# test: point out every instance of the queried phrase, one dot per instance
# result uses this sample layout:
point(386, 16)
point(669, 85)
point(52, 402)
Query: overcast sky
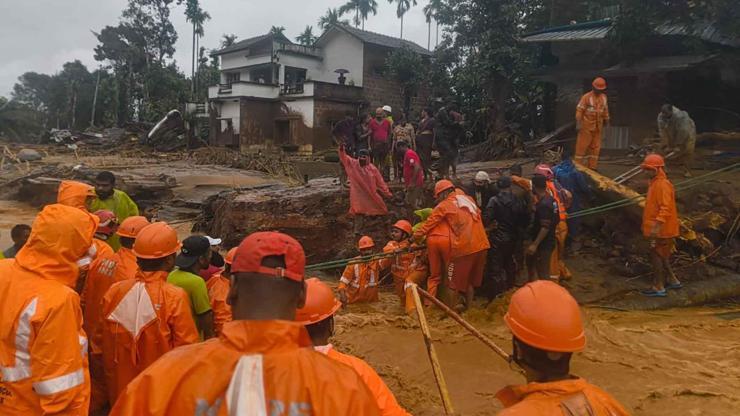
point(41, 35)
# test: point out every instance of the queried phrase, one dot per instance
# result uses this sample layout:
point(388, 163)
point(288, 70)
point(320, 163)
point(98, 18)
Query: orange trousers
point(407, 298)
point(558, 269)
point(468, 270)
point(588, 147)
point(440, 251)
point(98, 388)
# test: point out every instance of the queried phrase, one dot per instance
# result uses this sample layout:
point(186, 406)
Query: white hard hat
point(482, 176)
point(387, 108)
point(213, 241)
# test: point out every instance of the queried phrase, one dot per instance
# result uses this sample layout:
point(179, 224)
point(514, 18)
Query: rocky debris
point(168, 134)
point(28, 155)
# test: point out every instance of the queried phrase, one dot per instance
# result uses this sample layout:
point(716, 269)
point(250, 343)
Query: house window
point(232, 77)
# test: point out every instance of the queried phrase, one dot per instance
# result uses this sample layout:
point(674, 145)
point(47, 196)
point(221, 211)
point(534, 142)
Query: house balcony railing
point(244, 89)
point(292, 89)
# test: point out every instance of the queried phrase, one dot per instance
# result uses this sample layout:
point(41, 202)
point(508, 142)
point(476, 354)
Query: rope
point(335, 264)
point(683, 186)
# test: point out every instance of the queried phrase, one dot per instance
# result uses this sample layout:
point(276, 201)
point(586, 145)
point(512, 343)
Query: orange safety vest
point(555, 194)
point(254, 368)
point(567, 397)
point(360, 280)
point(43, 348)
point(592, 111)
point(145, 317)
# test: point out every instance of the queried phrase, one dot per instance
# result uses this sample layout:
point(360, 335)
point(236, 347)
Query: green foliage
point(306, 38)
point(361, 9)
point(18, 120)
point(330, 19)
point(228, 40)
point(278, 30)
point(407, 68)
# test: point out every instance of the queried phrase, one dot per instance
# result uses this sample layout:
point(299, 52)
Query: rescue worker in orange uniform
point(218, 292)
point(468, 240)
point(359, 281)
point(592, 113)
point(260, 364)
point(660, 225)
point(75, 194)
point(43, 348)
point(439, 245)
point(98, 280)
point(546, 327)
point(400, 264)
point(318, 317)
point(125, 260)
point(558, 269)
point(145, 317)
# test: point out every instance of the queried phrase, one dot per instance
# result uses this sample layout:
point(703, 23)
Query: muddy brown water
point(678, 361)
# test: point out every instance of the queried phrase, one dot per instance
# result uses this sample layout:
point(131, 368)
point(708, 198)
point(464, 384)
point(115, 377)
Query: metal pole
point(95, 98)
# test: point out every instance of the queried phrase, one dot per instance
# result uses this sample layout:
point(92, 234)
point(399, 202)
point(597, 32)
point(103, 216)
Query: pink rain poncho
point(365, 186)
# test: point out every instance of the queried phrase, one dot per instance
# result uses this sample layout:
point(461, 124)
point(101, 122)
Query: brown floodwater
point(678, 361)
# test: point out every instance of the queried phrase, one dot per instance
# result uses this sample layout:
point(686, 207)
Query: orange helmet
point(653, 161)
point(131, 226)
point(155, 241)
point(108, 222)
point(544, 315)
point(599, 83)
point(365, 242)
point(404, 226)
point(320, 303)
point(230, 255)
point(442, 186)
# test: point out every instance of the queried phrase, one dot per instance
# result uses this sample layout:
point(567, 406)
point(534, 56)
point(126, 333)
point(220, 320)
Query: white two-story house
point(273, 92)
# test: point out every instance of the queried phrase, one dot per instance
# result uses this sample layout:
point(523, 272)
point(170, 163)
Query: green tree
point(17, 120)
point(277, 30)
point(306, 38)
point(361, 9)
point(406, 67)
point(430, 12)
point(228, 40)
point(197, 16)
point(330, 19)
point(402, 7)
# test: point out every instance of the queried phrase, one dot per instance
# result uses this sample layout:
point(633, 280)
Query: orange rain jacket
point(360, 280)
point(262, 366)
point(43, 348)
point(144, 318)
point(463, 216)
point(218, 292)
point(592, 111)
point(548, 399)
point(660, 207)
point(400, 264)
point(383, 395)
point(126, 266)
point(74, 194)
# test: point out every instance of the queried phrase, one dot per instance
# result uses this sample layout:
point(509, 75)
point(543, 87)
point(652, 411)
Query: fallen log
point(606, 189)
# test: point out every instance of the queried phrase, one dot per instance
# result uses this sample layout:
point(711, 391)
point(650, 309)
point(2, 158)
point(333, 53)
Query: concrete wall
point(230, 109)
point(303, 107)
point(342, 51)
point(312, 65)
point(257, 123)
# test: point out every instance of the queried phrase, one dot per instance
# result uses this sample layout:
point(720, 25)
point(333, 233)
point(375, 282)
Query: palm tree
point(431, 11)
point(197, 16)
point(227, 40)
point(306, 38)
point(402, 7)
point(361, 8)
point(277, 30)
point(330, 19)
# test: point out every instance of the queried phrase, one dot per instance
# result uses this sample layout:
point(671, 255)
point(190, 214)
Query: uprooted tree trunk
point(607, 190)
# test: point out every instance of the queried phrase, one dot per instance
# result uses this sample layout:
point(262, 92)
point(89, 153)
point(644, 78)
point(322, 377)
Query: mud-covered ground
point(677, 361)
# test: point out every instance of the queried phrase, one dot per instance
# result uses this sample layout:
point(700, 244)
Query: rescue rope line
point(335, 264)
point(682, 186)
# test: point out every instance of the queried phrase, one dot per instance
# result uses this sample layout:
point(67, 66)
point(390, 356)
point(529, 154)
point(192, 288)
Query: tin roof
point(599, 29)
point(378, 39)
